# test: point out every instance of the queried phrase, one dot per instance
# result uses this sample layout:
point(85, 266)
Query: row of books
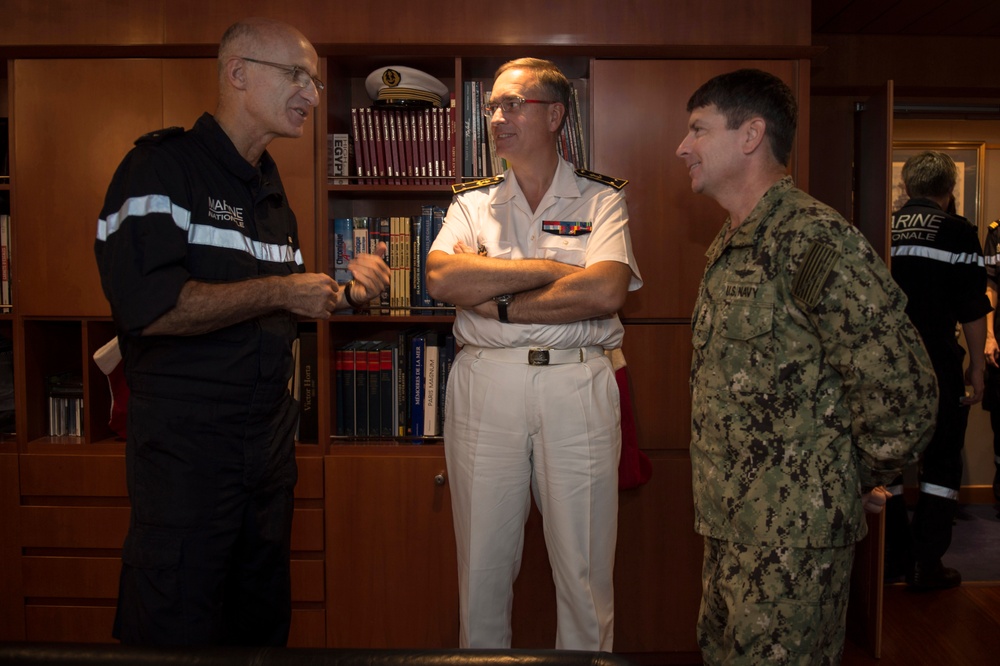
point(65, 417)
point(65, 392)
point(399, 146)
point(5, 275)
point(408, 239)
point(479, 158)
point(393, 388)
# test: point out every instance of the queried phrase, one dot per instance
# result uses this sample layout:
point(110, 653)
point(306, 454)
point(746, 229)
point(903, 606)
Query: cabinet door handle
point(439, 479)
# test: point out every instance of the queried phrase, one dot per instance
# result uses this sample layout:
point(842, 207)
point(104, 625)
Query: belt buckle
point(538, 356)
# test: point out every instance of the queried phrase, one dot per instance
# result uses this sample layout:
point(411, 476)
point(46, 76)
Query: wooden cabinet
point(72, 514)
point(390, 566)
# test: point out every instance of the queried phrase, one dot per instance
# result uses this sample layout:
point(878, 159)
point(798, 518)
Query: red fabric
point(634, 467)
point(109, 359)
point(119, 399)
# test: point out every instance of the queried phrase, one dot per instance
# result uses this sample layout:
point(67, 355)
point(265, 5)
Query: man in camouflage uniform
point(809, 387)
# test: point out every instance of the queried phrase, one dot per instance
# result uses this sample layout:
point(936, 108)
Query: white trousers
point(512, 429)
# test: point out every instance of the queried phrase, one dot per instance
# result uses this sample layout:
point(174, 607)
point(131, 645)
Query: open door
point(872, 215)
point(873, 169)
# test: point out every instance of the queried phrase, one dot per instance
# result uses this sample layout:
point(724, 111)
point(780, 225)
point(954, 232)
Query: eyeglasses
point(511, 105)
point(300, 77)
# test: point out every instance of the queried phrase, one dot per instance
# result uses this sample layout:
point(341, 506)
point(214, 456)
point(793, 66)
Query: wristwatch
point(502, 301)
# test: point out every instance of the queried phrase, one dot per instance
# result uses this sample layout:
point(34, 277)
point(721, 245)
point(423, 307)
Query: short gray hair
point(930, 174)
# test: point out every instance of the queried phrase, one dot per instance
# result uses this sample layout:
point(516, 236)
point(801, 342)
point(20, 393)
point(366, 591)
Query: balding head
point(258, 38)
point(267, 83)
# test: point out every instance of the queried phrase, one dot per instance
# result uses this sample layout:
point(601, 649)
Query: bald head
point(257, 38)
point(268, 84)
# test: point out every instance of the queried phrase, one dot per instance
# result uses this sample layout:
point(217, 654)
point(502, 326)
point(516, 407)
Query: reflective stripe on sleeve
point(937, 255)
point(198, 234)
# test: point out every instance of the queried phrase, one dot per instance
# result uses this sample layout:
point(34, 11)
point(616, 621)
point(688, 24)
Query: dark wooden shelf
point(379, 191)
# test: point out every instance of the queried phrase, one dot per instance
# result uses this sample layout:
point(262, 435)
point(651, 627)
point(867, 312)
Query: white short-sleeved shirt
point(499, 219)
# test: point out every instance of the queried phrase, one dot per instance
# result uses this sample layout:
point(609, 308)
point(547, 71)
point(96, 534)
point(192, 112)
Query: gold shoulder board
point(994, 224)
point(458, 188)
point(617, 183)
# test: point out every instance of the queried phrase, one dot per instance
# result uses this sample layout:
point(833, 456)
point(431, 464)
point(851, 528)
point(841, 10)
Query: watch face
point(502, 301)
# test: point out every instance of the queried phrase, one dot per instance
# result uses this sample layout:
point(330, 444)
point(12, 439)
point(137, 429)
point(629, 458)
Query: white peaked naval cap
point(404, 86)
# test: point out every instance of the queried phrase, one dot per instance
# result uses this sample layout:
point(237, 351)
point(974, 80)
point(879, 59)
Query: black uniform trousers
point(929, 533)
point(206, 558)
point(991, 403)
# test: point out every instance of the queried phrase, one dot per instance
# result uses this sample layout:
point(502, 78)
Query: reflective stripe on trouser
point(513, 429)
point(773, 605)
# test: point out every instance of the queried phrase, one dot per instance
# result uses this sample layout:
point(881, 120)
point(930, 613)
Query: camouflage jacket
point(807, 379)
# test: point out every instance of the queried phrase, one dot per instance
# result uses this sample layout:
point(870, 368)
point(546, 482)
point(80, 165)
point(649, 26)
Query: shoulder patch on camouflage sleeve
point(458, 188)
point(815, 268)
point(159, 135)
point(617, 183)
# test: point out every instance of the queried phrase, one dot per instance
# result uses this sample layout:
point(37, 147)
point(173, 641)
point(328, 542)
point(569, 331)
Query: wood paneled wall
point(690, 23)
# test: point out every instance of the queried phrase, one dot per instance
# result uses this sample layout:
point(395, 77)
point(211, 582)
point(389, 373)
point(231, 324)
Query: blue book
point(373, 352)
point(346, 393)
point(386, 390)
point(426, 236)
point(437, 221)
point(416, 386)
point(467, 120)
point(416, 260)
point(402, 373)
point(361, 388)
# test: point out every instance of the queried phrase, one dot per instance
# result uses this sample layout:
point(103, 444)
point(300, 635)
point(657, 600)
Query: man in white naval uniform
point(538, 261)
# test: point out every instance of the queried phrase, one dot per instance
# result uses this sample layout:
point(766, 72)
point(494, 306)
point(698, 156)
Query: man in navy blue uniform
point(991, 399)
point(938, 261)
point(199, 258)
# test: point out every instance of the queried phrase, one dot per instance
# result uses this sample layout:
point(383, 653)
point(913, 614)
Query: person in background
point(938, 261)
point(991, 392)
point(809, 387)
point(198, 253)
point(538, 261)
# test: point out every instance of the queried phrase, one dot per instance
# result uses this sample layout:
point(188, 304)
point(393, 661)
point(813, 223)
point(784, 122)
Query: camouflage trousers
point(768, 605)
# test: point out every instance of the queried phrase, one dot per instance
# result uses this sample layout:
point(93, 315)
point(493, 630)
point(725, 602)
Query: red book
point(413, 150)
point(434, 168)
point(370, 143)
point(378, 147)
point(389, 118)
point(421, 145)
point(358, 160)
